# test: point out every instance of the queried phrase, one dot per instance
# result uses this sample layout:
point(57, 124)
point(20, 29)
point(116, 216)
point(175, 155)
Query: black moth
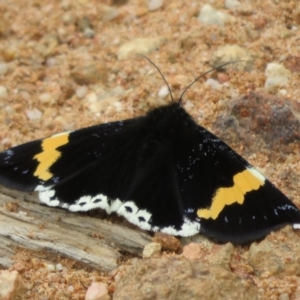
point(162, 172)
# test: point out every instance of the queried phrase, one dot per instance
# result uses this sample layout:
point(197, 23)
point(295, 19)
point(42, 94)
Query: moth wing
point(232, 200)
point(116, 166)
point(48, 162)
point(135, 177)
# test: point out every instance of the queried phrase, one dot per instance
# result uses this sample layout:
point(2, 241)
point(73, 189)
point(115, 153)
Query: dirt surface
point(65, 65)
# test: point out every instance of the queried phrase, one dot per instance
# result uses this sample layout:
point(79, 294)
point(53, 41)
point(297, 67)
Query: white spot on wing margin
point(188, 227)
point(258, 175)
point(135, 214)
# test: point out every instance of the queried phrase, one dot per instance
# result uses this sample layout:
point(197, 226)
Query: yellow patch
point(244, 182)
point(49, 155)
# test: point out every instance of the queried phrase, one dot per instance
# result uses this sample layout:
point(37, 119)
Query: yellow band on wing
point(243, 182)
point(49, 155)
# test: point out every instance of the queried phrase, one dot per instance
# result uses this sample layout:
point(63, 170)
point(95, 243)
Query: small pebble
point(9, 110)
point(97, 291)
point(92, 97)
point(210, 16)
point(232, 4)
point(81, 92)
point(163, 92)
point(68, 18)
point(192, 251)
point(283, 92)
point(11, 285)
point(3, 68)
point(46, 98)
point(3, 92)
point(284, 296)
point(152, 249)
point(155, 4)
point(276, 74)
point(34, 114)
point(108, 13)
point(49, 267)
point(213, 83)
point(51, 62)
point(70, 288)
point(89, 33)
point(59, 267)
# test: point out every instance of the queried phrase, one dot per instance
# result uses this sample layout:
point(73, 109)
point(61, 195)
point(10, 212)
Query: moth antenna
point(161, 74)
point(197, 78)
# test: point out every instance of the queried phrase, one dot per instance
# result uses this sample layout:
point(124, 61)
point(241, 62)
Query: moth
point(161, 171)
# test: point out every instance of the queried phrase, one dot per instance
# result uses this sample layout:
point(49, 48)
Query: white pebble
point(70, 288)
point(51, 62)
point(9, 110)
point(46, 98)
point(34, 114)
point(3, 68)
point(3, 92)
point(188, 104)
point(92, 97)
point(163, 92)
point(276, 74)
point(213, 83)
point(155, 4)
point(232, 4)
point(210, 16)
point(81, 92)
point(118, 106)
point(49, 267)
point(59, 267)
point(282, 92)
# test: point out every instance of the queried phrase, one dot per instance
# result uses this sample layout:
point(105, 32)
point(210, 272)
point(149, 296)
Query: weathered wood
point(37, 227)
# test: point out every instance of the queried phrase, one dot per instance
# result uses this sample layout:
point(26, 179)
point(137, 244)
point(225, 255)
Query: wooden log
point(96, 243)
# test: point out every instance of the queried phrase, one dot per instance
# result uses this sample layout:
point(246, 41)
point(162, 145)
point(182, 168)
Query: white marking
point(61, 133)
point(255, 173)
point(65, 205)
point(41, 188)
point(115, 205)
point(9, 152)
point(188, 228)
point(136, 216)
point(296, 226)
point(90, 204)
point(45, 198)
